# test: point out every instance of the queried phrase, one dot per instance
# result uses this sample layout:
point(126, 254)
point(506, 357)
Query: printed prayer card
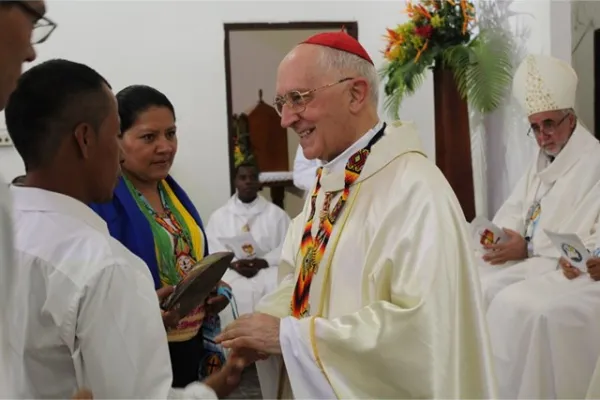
point(570, 247)
point(243, 246)
point(486, 232)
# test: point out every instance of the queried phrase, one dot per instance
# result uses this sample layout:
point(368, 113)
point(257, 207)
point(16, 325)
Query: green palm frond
point(482, 70)
point(404, 80)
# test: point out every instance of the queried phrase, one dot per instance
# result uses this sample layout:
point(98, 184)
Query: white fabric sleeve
point(306, 378)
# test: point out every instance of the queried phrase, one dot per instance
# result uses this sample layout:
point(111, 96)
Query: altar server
point(254, 229)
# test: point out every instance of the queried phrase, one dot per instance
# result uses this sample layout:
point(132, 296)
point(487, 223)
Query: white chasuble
point(395, 308)
point(560, 188)
point(544, 330)
point(267, 225)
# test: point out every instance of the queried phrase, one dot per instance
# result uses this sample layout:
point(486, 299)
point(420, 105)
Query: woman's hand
point(217, 302)
point(170, 318)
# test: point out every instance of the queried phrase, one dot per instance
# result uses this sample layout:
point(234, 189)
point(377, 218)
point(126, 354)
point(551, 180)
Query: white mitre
point(544, 83)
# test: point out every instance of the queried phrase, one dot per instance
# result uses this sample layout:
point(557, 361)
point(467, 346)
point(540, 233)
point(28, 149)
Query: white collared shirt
point(84, 311)
point(339, 163)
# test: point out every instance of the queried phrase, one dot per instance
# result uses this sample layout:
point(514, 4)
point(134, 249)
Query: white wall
point(585, 19)
point(257, 54)
point(177, 46)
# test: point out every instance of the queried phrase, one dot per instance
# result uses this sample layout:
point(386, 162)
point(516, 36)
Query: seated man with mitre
point(254, 229)
point(552, 193)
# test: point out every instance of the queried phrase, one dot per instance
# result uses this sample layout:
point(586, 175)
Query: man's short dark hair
point(245, 164)
point(50, 101)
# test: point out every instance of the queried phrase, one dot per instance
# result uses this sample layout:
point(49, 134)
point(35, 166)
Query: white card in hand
point(243, 246)
point(570, 247)
point(486, 232)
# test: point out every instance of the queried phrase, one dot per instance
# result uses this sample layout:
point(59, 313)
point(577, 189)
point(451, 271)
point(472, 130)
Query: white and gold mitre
point(544, 83)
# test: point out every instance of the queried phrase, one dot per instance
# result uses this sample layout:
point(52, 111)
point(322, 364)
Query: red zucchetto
point(339, 41)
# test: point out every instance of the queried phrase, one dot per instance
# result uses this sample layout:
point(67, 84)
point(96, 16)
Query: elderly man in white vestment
point(83, 312)
point(378, 295)
point(254, 229)
point(544, 329)
point(17, 36)
point(552, 191)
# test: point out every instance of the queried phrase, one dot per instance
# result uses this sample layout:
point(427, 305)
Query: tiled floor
point(249, 387)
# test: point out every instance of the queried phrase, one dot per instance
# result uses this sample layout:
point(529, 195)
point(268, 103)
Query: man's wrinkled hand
point(513, 249)
point(593, 267)
point(258, 332)
point(569, 271)
point(170, 318)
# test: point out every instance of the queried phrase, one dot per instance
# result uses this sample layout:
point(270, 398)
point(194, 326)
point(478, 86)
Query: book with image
point(195, 288)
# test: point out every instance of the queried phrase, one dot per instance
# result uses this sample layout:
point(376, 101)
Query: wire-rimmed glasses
point(297, 100)
point(547, 127)
point(43, 27)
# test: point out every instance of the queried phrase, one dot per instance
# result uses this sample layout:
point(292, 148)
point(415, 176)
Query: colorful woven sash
point(313, 248)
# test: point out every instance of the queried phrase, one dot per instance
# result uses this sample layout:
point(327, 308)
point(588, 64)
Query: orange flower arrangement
point(438, 31)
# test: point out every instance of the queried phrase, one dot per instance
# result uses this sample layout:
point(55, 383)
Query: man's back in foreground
point(83, 313)
point(72, 279)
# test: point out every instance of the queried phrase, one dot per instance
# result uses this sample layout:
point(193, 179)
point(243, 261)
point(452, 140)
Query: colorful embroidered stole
point(313, 248)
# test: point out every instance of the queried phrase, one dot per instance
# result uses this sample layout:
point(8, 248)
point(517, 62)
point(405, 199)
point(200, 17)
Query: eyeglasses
point(297, 100)
point(43, 27)
point(548, 127)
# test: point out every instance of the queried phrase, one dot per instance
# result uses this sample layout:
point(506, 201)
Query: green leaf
point(482, 70)
point(402, 80)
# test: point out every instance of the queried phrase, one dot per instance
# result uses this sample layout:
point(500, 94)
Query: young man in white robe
point(379, 298)
point(83, 311)
point(254, 229)
point(552, 191)
point(544, 330)
point(19, 32)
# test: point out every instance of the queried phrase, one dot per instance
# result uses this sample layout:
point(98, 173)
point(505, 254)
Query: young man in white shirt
point(84, 311)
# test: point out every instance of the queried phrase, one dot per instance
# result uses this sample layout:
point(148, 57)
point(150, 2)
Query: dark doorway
point(351, 28)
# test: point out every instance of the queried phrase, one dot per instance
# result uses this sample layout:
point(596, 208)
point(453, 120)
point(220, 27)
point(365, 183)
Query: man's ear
point(359, 92)
point(84, 136)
